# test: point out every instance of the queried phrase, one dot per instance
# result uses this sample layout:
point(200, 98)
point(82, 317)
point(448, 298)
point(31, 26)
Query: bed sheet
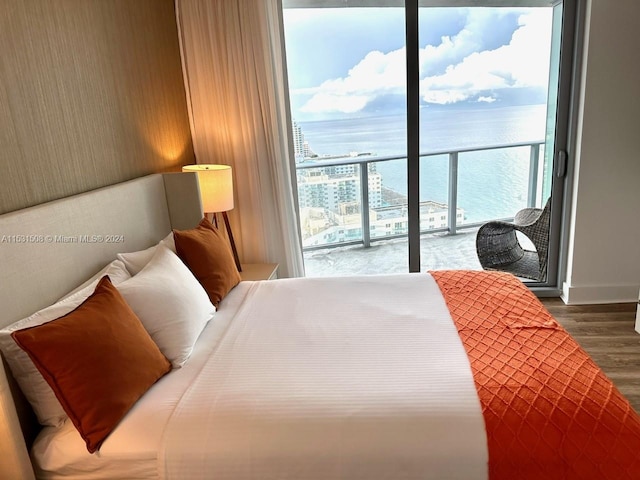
point(131, 451)
point(384, 402)
point(341, 378)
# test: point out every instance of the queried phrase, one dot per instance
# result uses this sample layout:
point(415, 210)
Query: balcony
point(342, 238)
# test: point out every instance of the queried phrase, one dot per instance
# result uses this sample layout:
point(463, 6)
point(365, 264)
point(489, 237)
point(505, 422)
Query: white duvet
point(342, 378)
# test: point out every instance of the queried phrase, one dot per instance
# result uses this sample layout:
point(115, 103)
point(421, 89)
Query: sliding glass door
point(348, 97)
point(416, 123)
point(488, 107)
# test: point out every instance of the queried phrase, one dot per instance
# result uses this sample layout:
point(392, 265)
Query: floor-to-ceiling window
point(348, 96)
point(472, 125)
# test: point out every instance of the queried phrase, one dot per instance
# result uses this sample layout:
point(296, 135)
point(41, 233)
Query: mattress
point(442, 375)
point(347, 373)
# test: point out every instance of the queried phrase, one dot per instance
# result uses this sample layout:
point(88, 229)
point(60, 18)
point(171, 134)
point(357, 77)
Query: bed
point(450, 374)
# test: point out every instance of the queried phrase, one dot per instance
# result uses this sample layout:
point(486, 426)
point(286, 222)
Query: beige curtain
point(235, 77)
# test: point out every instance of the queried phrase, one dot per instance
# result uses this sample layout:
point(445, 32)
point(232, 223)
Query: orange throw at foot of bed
point(549, 411)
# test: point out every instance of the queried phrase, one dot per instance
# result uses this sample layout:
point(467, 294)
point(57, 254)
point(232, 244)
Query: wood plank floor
point(607, 333)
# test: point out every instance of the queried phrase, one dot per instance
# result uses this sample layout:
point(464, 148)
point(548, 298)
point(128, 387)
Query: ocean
point(491, 184)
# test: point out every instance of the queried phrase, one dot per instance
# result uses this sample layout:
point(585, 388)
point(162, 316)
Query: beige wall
point(91, 93)
point(604, 253)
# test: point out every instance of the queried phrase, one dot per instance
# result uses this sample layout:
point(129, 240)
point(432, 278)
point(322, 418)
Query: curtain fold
point(235, 78)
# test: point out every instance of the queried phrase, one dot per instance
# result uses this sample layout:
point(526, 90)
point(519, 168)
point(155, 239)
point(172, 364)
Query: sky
point(350, 62)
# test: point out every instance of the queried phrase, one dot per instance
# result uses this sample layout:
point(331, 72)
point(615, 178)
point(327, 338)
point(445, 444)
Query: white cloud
point(470, 74)
point(464, 43)
point(524, 62)
point(376, 74)
point(335, 102)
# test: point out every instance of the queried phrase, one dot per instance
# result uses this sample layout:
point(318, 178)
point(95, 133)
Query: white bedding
point(131, 451)
point(342, 378)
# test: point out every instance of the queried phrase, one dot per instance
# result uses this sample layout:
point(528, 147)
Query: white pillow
point(37, 391)
point(171, 304)
point(116, 270)
point(136, 261)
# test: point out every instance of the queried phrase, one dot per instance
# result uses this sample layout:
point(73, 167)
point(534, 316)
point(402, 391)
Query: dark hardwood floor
point(607, 333)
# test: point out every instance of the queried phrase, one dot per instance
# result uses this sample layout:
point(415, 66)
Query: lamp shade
point(216, 186)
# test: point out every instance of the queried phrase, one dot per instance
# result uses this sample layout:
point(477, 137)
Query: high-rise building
point(299, 143)
point(326, 189)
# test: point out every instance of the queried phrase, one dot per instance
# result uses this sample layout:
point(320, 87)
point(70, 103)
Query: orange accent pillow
point(209, 257)
point(98, 359)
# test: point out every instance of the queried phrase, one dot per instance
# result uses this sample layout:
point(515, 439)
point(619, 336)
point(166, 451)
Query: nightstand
point(259, 271)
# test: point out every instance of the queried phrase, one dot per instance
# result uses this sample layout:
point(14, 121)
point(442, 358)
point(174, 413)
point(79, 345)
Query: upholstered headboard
point(49, 249)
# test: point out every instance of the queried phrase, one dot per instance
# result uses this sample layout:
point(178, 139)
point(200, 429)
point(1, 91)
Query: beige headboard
point(49, 249)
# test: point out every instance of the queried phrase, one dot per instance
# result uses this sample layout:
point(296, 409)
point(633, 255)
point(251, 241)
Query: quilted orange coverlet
point(549, 411)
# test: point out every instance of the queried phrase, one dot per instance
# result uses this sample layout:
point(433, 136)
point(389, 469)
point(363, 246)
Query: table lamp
point(216, 191)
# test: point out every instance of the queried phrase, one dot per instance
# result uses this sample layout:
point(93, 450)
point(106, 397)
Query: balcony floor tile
point(437, 252)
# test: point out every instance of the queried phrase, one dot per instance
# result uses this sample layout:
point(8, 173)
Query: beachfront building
point(332, 187)
point(321, 226)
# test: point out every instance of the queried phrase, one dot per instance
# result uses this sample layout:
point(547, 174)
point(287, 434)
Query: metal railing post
point(534, 160)
point(453, 192)
point(364, 202)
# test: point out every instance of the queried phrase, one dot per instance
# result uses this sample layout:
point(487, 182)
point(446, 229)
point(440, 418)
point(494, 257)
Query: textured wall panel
point(91, 93)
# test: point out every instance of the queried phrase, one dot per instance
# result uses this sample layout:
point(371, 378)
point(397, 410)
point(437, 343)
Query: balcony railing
point(452, 206)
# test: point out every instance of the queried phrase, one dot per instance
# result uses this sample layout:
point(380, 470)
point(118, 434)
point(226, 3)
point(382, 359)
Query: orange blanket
point(549, 411)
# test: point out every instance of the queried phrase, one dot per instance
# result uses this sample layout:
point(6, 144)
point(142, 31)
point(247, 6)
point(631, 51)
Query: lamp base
point(233, 244)
point(225, 217)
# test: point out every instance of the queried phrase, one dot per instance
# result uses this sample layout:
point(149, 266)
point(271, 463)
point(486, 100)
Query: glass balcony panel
point(493, 184)
point(388, 199)
point(434, 191)
point(330, 205)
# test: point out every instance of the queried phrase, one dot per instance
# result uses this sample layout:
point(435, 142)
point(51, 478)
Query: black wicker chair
point(499, 249)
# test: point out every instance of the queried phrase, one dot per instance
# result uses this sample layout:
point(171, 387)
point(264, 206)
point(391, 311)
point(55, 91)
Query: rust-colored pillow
point(98, 359)
point(208, 255)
